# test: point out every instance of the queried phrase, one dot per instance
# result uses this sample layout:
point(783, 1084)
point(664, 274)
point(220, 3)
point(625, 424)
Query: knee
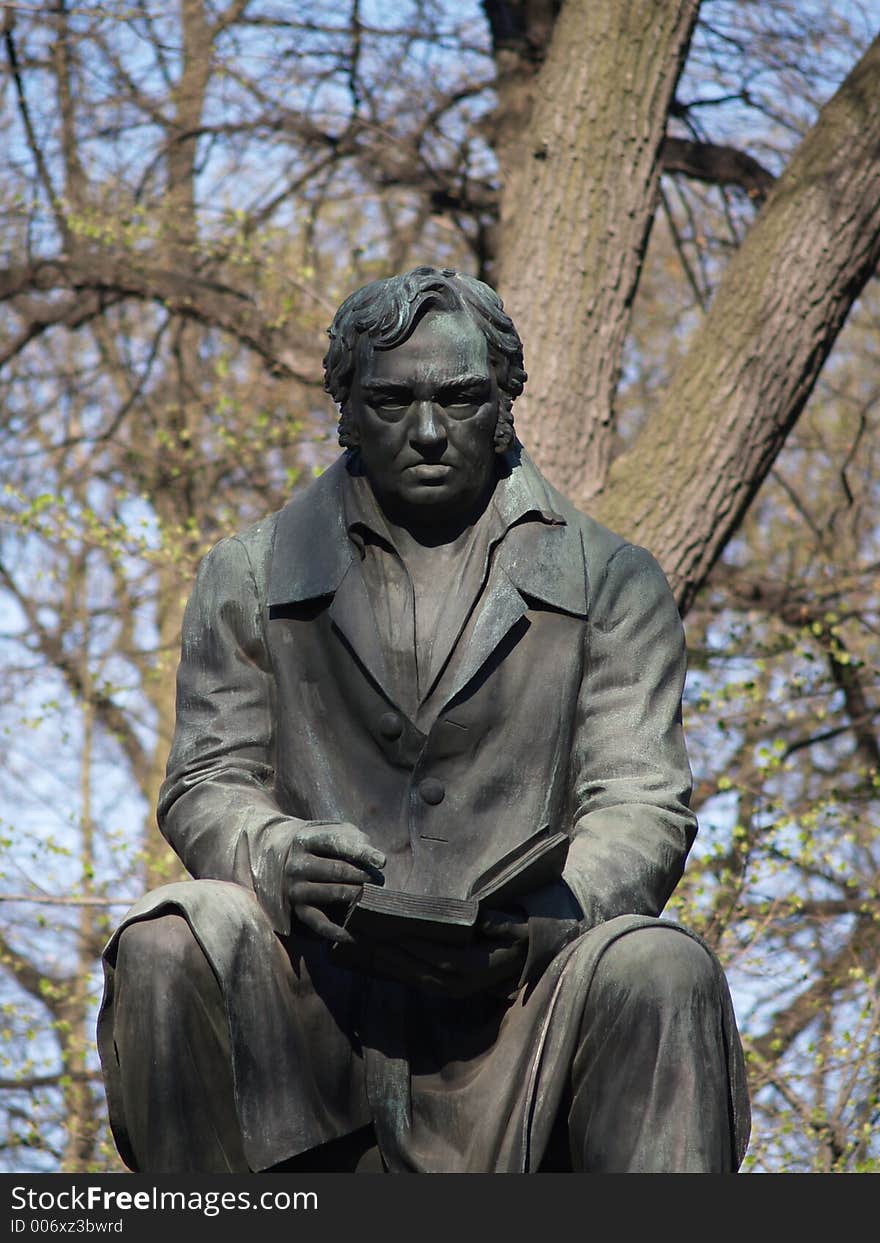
point(163, 947)
point(659, 966)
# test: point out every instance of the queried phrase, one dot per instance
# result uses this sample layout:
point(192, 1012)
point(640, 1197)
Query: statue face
point(423, 415)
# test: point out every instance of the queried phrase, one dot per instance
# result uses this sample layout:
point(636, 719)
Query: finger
point(505, 932)
point(501, 924)
point(506, 961)
point(322, 926)
point(485, 972)
point(343, 842)
point(448, 959)
point(327, 871)
point(391, 960)
point(313, 893)
point(481, 968)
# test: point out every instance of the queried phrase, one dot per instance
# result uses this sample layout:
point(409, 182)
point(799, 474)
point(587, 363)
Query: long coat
point(560, 705)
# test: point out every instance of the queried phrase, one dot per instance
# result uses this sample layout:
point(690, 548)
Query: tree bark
point(703, 453)
point(576, 211)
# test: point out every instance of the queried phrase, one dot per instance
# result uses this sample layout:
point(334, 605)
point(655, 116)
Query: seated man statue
point(425, 659)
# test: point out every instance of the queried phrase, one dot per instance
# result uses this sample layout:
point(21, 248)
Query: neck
point(415, 529)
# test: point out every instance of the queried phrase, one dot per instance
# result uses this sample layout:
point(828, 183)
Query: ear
point(504, 434)
point(348, 431)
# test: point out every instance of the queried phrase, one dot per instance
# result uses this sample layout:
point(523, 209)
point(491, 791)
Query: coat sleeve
point(631, 827)
point(217, 806)
point(631, 780)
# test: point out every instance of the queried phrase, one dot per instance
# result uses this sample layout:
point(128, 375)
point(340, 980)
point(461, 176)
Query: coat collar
point(541, 555)
point(311, 552)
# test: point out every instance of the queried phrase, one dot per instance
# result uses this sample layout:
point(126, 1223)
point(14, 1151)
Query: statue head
point(384, 313)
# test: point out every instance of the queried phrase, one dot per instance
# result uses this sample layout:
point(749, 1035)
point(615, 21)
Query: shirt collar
point(513, 501)
point(312, 547)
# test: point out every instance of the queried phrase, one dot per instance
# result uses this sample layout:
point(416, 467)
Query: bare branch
point(718, 165)
point(28, 1083)
point(31, 979)
point(34, 146)
point(206, 301)
point(110, 715)
point(49, 901)
point(72, 313)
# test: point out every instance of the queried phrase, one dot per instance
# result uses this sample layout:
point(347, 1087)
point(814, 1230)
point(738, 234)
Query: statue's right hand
point(326, 866)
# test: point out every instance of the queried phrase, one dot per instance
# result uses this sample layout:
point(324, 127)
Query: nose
point(427, 428)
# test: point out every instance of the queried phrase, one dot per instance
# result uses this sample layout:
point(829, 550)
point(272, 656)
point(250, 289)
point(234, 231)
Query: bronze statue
point(427, 662)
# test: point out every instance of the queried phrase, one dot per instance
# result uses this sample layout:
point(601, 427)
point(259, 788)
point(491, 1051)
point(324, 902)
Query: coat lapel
point(535, 561)
point(352, 614)
point(311, 551)
point(501, 608)
point(540, 558)
point(312, 556)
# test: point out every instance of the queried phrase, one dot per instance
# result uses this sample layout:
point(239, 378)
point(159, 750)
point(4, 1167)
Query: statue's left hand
point(493, 962)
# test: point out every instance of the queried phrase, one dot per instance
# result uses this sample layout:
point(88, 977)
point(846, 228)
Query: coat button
point(390, 726)
point(432, 791)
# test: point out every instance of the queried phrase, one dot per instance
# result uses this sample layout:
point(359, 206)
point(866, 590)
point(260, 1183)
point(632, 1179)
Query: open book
point(390, 914)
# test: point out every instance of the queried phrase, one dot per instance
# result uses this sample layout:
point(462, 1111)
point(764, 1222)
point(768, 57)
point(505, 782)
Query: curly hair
point(387, 311)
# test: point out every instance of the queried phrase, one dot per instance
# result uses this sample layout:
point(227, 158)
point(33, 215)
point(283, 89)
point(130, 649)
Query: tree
point(680, 212)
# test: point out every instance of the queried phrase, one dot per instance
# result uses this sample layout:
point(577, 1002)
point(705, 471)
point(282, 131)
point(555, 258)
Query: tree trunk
point(704, 452)
point(576, 211)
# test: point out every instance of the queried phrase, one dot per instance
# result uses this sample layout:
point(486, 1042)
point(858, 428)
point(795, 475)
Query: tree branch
point(72, 314)
point(110, 715)
point(705, 450)
point(27, 975)
point(718, 165)
point(49, 1081)
point(796, 611)
point(789, 1022)
point(50, 901)
point(198, 298)
point(30, 134)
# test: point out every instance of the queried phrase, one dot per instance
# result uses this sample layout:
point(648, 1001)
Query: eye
point(389, 405)
point(392, 413)
point(463, 405)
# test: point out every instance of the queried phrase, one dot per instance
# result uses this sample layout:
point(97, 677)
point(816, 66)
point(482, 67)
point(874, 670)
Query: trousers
point(647, 1087)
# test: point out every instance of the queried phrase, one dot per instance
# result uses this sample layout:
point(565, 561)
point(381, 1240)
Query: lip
point(430, 472)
